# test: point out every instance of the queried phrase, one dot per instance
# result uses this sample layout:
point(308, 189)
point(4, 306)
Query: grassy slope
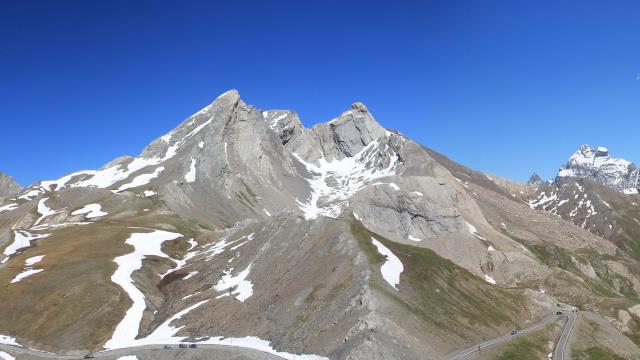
point(76, 305)
point(442, 294)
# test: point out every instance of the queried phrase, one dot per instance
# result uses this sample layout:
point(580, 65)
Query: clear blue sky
point(507, 87)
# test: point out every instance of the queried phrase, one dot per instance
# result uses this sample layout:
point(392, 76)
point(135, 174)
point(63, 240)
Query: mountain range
point(254, 237)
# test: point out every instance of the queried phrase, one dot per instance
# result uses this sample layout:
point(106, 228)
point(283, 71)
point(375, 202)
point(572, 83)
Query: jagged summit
point(535, 179)
point(598, 165)
point(8, 186)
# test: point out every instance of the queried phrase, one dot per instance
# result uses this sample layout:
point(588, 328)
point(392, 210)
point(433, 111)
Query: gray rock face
point(348, 134)
point(8, 186)
point(597, 165)
point(535, 179)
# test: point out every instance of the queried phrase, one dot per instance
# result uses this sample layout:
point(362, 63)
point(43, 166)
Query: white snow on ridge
point(140, 180)
point(350, 174)
point(22, 239)
point(190, 176)
point(242, 288)
point(106, 177)
point(392, 268)
point(128, 357)
point(91, 211)
point(145, 244)
point(30, 194)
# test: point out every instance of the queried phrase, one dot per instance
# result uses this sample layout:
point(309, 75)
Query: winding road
point(561, 351)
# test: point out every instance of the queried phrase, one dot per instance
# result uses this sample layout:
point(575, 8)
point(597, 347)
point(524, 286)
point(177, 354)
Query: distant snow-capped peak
point(598, 165)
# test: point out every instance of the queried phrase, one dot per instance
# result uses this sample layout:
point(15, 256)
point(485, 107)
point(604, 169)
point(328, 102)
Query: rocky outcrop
point(535, 179)
point(8, 186)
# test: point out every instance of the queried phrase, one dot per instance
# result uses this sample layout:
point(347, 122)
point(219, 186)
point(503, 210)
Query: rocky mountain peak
point(8, 186)
point(598, 165)
point(349, 133)
point(535, 179)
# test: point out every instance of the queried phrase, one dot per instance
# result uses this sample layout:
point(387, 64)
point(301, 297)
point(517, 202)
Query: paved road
point(464, 353)
point(561, 351)
point(215, 352)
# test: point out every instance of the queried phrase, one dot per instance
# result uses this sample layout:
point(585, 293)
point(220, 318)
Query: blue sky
point(507, 87)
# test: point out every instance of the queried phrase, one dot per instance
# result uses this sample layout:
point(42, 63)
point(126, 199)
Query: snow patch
point(92, 211)
point(140, 180)
point(413, 238)
point(190, 176)
point(242, 288)
point(8, 340)
point(34, 260)
point(474, 231)
point(347, 177)
point(44, 210)
point(489, 279)
point(144, 244)
point(8, 207)
point(393, 185)
point(392, 268)
point(21, 239)
point(26, 273)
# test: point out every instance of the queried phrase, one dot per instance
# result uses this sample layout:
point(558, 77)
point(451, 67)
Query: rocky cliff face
point(242, 227)
point(535, 179)
point(8, 186)
point(597, 165)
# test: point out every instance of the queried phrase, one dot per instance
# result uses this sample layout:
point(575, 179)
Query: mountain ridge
point(273, 236)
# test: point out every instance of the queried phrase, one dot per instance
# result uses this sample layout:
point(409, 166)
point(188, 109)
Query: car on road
point(514, 332)
point(182, 346)
point(167, 347)
point(89, 356)
point(193, 346)
point(559, 313)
